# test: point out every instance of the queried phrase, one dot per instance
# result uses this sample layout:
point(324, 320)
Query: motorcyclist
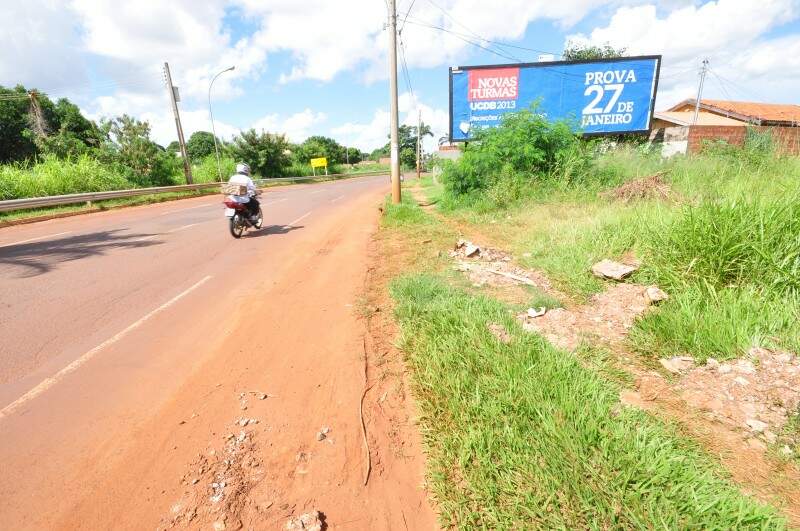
point(242, 177)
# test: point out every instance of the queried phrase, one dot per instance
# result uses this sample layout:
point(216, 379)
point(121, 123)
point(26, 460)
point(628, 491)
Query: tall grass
point(53, 176)
point(206, 170)
point(521, 436)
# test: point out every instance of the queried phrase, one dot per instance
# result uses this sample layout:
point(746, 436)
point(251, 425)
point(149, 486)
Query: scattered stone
point(712, 363)
point(786, 450)
point(678, 364)
point(741, 381)
point(427, 240)
point(500, 332)
point(472, 250)
point(219, 525)
point(770, 437)
point(612, 270)
point(744, 367)
point(725, 368)
point(533, 313)
point(756, 425)
point(323, 433)
point(195, 481)
point(653, 295)
point(308, 522)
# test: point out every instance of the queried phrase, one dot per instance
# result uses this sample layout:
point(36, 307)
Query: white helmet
point(243, 168)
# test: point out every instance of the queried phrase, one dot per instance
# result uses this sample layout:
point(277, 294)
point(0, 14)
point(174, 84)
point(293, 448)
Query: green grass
point(726, 248)
point(52, 176)
point(407, 213)
point(522, 436)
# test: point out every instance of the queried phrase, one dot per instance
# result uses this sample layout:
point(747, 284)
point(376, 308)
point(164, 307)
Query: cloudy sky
point(319, 66)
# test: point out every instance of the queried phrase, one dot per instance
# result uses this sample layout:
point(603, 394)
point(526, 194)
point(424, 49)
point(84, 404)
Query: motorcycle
point(240, 219)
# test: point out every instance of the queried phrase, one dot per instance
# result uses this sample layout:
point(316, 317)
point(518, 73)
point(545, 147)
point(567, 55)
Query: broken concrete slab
point(612, 270)
point(654, 295)
point(678, 364)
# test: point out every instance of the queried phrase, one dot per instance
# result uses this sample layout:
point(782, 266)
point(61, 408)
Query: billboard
point(604, 96)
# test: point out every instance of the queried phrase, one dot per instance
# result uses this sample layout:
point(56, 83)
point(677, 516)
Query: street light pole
point(211, 114)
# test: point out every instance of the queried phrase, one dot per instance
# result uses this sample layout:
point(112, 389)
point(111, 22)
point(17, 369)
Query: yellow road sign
point(321, 162)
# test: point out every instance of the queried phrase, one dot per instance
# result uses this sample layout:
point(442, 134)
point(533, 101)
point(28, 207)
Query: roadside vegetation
point(521, 434)
point(718, 230)
point(49, 148)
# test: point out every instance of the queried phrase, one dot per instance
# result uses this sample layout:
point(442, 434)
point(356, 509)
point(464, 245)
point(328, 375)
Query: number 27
point(599, 91)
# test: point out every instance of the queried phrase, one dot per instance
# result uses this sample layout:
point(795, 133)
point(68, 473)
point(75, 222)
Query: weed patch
point(521, 435)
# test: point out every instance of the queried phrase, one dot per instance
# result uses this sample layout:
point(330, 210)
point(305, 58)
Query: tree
point(407, 139)
point(145, 162)
point(27, 130)
point(200, 145)
point(354, 155)
point(575, 51)
point(267, 154)
point(320, 146)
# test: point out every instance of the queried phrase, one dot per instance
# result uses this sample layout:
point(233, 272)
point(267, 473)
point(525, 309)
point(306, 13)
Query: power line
point(468, 41)
point(404, 65)
point(406, 16)
point(745, 92)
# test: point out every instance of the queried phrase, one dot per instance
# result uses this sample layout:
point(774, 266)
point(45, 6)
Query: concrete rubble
point(311, 521)
point(612, 270)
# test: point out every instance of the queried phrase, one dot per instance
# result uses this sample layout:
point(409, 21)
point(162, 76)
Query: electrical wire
point(404, 65)
point(407, 13)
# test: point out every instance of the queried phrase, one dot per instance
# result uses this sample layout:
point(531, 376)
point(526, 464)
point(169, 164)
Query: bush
point(266, 153)
point(205, 169)
point(523, 149)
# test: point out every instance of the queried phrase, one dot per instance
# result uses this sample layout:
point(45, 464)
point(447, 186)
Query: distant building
point(724, 120)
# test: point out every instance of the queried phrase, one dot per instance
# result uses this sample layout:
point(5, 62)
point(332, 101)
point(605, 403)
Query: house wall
point(787, 138)
point(691, 139)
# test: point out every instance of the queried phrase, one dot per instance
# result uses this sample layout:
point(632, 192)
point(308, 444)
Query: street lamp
point(211, 114)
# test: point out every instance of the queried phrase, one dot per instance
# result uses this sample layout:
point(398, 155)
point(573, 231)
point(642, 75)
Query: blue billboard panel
point(607, 96)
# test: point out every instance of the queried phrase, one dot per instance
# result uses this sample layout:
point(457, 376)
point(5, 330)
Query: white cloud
point(373, 134)
point(40, 45)
point(728, 32)
point(297, 127)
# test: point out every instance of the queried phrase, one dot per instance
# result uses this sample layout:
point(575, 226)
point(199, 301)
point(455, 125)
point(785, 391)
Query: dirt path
point(238, 445)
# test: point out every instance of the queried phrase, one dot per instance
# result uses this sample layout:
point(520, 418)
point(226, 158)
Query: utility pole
point(394, 137)
point(187, 167)
point(419, 124)
point(700, 90)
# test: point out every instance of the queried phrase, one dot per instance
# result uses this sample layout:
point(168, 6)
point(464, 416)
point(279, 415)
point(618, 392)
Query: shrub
point(205, 170)
point(524, 148)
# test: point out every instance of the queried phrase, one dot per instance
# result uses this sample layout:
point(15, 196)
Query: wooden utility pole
point(187, 167)
point(419, 148)
point(394, 144)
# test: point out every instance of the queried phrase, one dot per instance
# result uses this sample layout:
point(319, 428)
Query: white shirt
point(240, 178)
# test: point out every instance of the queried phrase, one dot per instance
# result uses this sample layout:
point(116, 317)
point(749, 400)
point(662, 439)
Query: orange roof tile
point(763, 112)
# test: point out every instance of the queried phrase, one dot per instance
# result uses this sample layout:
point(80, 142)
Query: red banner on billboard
point(493, 84)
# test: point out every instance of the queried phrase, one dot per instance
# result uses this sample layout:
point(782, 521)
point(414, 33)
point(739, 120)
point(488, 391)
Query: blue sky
point(319, 67)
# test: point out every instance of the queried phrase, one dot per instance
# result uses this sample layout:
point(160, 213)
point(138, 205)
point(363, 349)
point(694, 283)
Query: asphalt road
point(118, 324)
point(69, 285)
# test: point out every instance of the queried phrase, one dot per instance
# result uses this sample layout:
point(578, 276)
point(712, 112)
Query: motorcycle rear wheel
point(259, 220)
point(237, 226)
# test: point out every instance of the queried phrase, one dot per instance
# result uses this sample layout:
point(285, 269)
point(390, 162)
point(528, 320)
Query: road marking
point(181, 228)
point(301, 218)
point(36, 239)
point(75, 365)
point(189, 208)
point(334, 200)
